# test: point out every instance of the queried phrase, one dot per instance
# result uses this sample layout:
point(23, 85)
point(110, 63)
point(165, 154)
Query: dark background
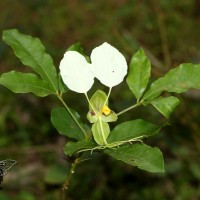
point(169, 32)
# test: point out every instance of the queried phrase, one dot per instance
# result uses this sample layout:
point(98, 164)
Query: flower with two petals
point(108, 65)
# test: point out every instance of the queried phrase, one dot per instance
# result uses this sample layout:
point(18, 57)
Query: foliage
point(127, 29)
point(31, 53)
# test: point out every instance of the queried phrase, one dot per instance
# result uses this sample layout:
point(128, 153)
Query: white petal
point(76, 72)
point(108, 65)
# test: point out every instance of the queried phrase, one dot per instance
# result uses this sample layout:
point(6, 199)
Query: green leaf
point(177, 80)
point(140, 155)
point(129, 130)
point(76, 47)
point(25, 82)
point(139, 73)
point(64, 123)
point(165, 105)
point(100, 130)
point(62, 87)
point(32, 53)
point(73, 147)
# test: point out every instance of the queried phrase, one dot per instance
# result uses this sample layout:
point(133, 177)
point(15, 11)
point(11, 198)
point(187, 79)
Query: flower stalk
point(129, 108)
point(72, 115)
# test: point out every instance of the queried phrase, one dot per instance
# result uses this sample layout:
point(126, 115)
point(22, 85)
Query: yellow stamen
point(106, 110)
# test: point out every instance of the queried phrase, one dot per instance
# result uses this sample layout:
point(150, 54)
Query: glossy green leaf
point(139, 73)
point(100, 130)
point(64, 123)
point(129, 130)
point(177, 80)
point(73, 147)
point(32, 53)
point(140, 155)
point(165, 105)
point(25, 82)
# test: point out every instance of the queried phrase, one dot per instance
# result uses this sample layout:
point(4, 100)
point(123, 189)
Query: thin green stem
point(90, 134)
point(72, 115)
point(107, 96)
point(68, 180)
point(90, 104)
point(102, 131)
point(129, 108)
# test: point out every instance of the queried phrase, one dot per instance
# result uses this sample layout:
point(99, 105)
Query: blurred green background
point(169, 32)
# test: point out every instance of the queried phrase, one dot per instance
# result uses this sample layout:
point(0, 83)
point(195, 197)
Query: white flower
point(76, 72)
point(108, 65)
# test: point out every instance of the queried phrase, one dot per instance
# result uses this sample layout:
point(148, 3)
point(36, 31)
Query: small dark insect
point(5, 166)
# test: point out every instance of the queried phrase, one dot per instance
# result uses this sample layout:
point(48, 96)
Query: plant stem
point(69, 177)
point(90, 104)
point(129, 108)
point(107, 96)
point(102, 131)
point(72, 115)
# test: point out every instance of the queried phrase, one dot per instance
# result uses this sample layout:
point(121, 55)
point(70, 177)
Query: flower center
point(106, 110)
